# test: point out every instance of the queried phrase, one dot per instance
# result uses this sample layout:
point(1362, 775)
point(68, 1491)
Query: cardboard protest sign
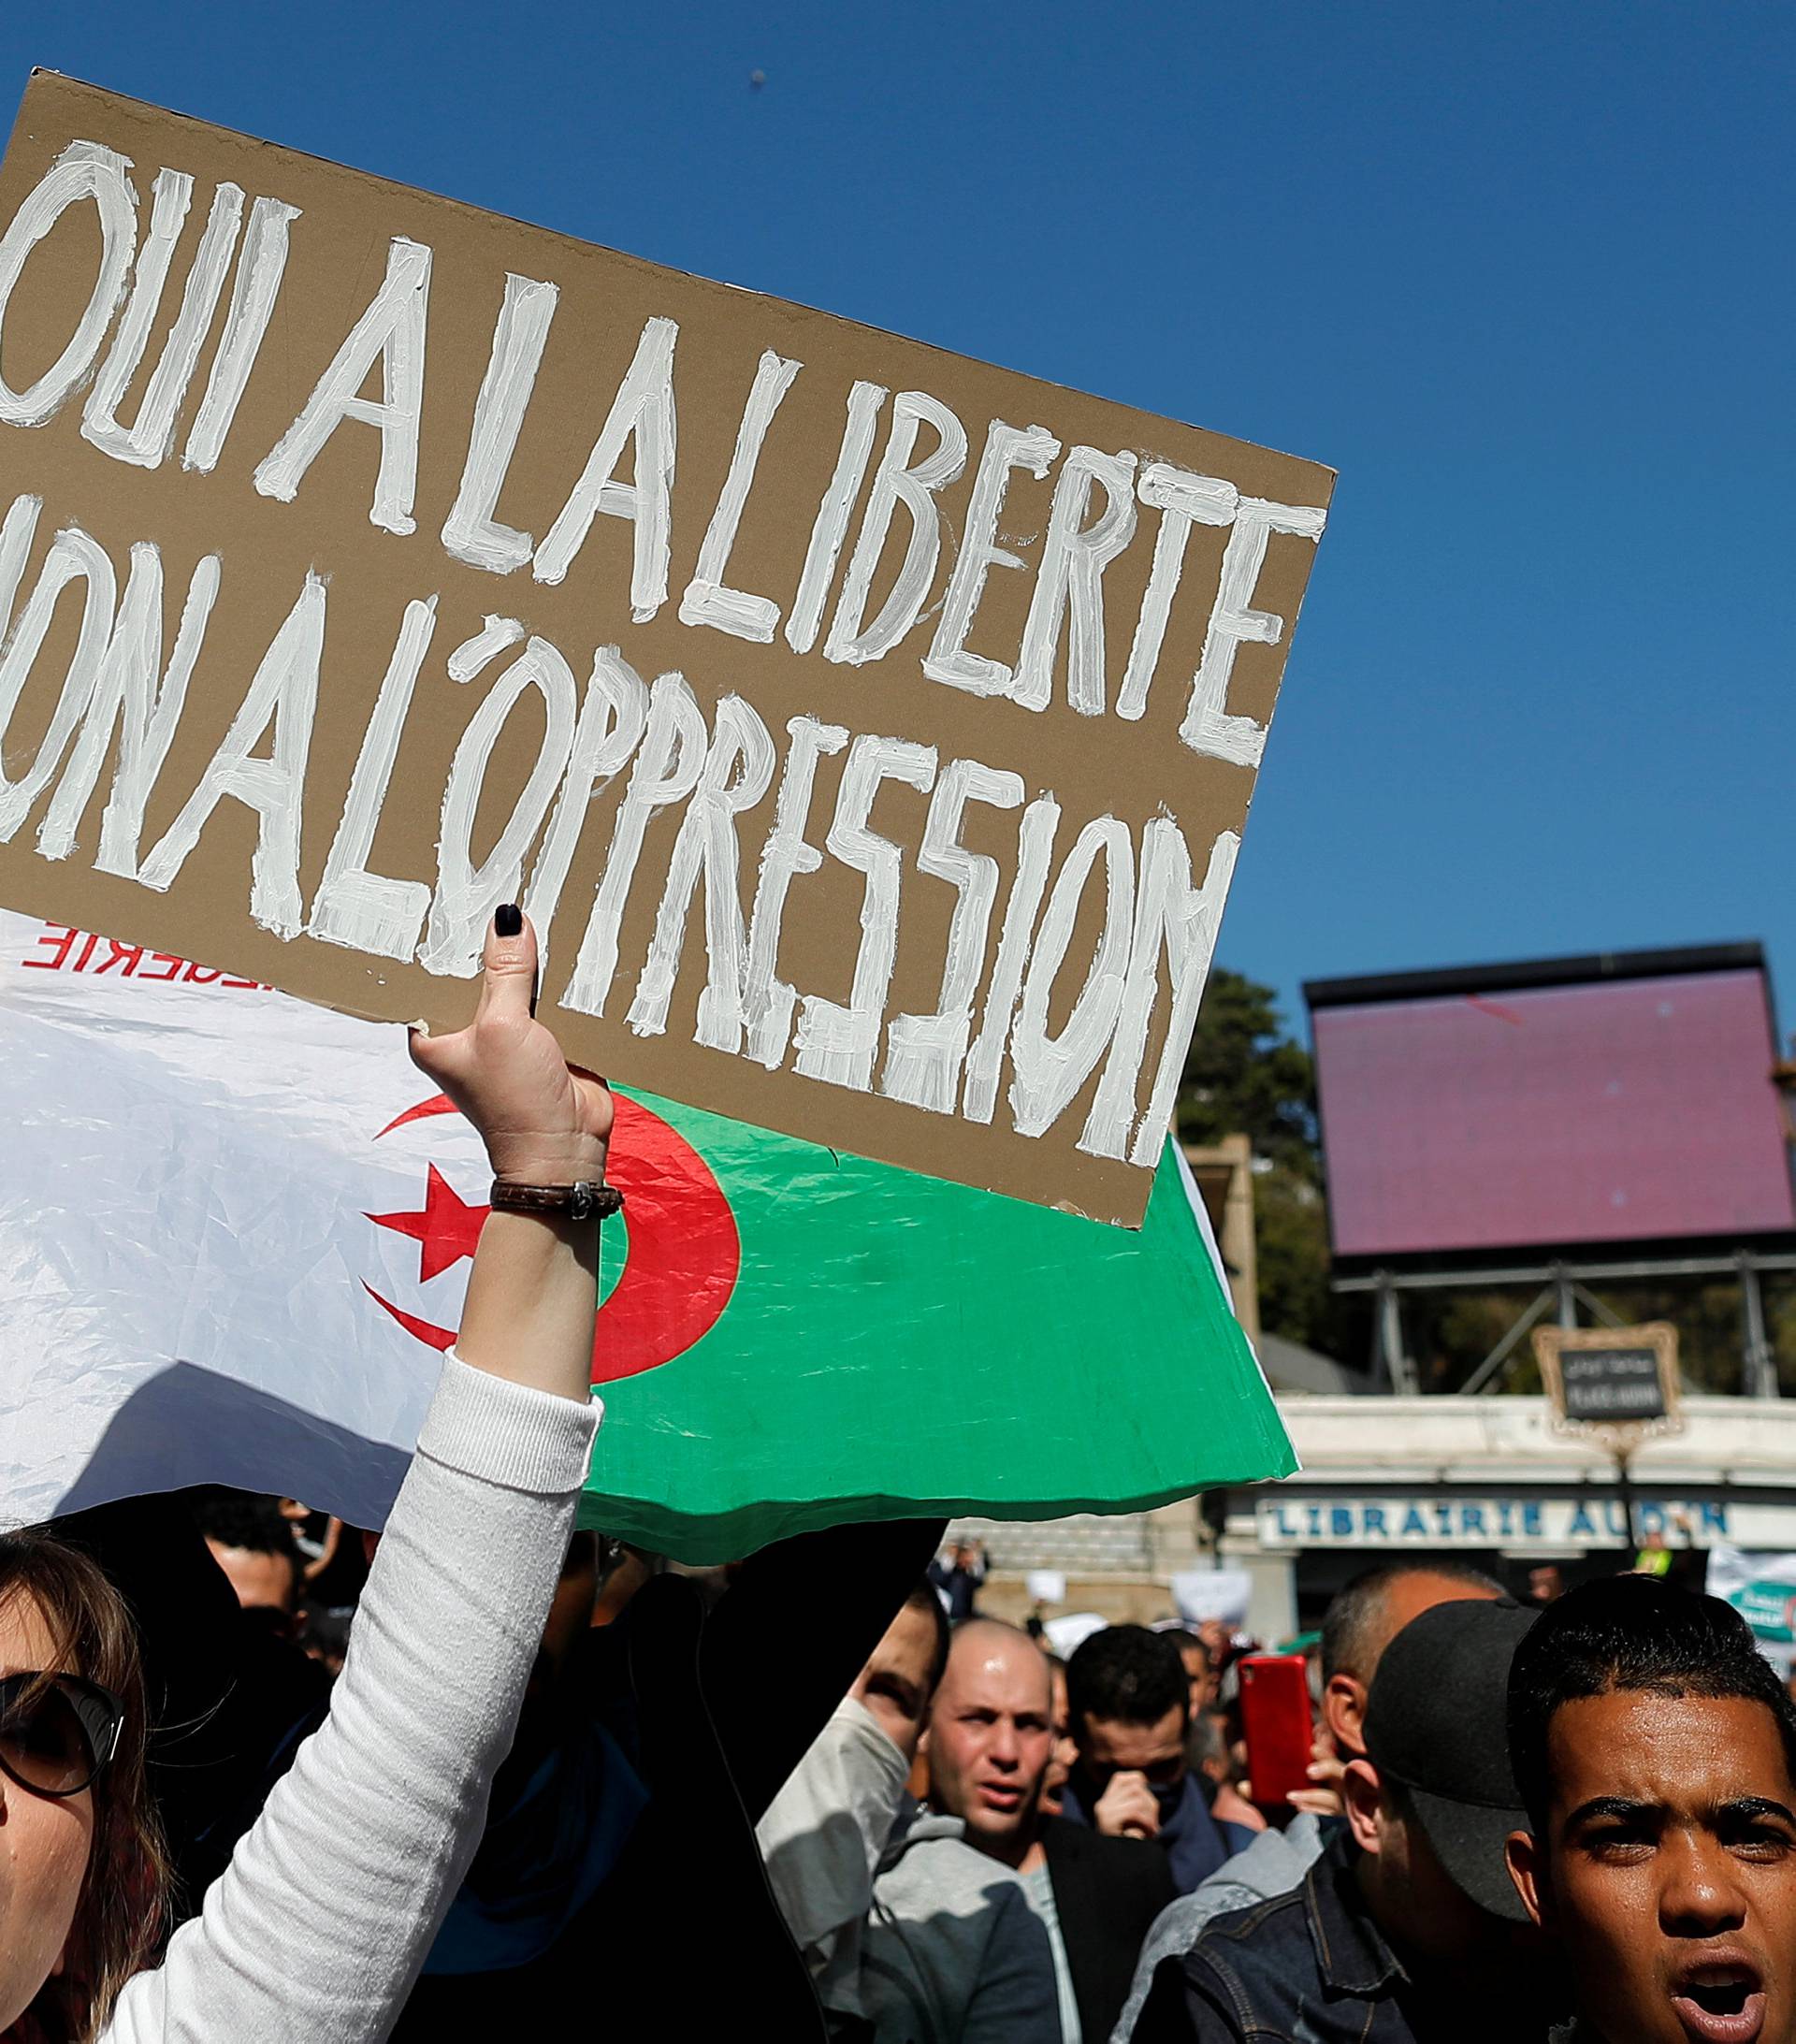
point(869, 731)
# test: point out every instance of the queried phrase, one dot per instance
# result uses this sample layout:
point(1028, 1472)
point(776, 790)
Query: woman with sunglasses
point(316, 1930)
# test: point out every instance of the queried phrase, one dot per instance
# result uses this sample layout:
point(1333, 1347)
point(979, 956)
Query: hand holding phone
point(1275, 1720)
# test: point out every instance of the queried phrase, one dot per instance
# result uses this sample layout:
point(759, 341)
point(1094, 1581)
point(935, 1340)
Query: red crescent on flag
point(682, 1261)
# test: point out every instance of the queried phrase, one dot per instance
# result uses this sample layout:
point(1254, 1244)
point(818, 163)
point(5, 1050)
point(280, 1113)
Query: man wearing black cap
point(1406, 1931)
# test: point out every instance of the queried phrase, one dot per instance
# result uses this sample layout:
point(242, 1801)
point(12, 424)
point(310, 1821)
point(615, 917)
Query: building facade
point(1486, 1480)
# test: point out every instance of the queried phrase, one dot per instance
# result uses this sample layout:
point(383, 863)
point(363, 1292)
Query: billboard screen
point(1562, 1103)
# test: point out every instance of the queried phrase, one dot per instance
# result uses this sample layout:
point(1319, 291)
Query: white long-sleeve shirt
point(315, 1932)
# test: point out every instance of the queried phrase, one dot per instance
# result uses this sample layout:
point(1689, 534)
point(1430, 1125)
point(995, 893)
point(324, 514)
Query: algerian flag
point(234, 1233)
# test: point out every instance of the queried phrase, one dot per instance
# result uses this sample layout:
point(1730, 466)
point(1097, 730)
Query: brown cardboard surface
point(1092, 1032)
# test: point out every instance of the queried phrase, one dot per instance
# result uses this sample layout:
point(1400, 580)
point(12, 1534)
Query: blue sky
point(1521, 271)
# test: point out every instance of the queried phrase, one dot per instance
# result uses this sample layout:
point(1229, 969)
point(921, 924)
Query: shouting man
point(1656, 1752)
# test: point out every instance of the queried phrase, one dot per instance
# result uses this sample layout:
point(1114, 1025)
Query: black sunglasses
point(57, 1732)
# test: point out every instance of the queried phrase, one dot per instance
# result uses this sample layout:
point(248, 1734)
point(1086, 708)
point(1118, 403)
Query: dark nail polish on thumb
point(508, 918)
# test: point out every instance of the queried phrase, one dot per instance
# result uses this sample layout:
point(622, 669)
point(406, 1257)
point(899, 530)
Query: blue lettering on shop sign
point(1496, 1521)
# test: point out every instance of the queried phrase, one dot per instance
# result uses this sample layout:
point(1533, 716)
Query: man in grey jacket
point(952, 1952)
point(910, 1935)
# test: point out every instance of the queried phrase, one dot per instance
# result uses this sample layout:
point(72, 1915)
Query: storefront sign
point(1614, 1386)
point(1445, 1519)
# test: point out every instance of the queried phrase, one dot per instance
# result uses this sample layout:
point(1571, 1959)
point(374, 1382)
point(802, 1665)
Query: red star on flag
point(446, 1229)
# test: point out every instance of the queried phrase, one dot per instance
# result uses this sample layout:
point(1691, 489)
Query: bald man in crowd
point(908, 1933)
point(990, 1738)
point(1362, 1619)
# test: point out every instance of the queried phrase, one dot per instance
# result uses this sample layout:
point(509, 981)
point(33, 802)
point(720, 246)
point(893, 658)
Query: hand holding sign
point(542, 1123)
point(531, 1295)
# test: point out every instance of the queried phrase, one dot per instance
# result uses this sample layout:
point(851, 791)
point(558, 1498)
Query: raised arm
point(318, 1927)
point(531, 1295)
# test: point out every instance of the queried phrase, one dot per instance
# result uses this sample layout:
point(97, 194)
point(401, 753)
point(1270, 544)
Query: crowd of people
point(1571, 1818)
point(263, 1777)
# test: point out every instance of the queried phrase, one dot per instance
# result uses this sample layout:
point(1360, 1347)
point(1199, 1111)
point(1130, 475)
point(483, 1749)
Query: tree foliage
point(1246, 1075)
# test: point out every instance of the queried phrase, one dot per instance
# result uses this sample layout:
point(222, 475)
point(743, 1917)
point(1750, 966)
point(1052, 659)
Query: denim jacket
point(1310, 1967)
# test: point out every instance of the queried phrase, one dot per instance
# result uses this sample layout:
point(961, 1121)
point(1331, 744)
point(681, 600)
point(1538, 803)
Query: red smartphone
point(1276, 1720)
